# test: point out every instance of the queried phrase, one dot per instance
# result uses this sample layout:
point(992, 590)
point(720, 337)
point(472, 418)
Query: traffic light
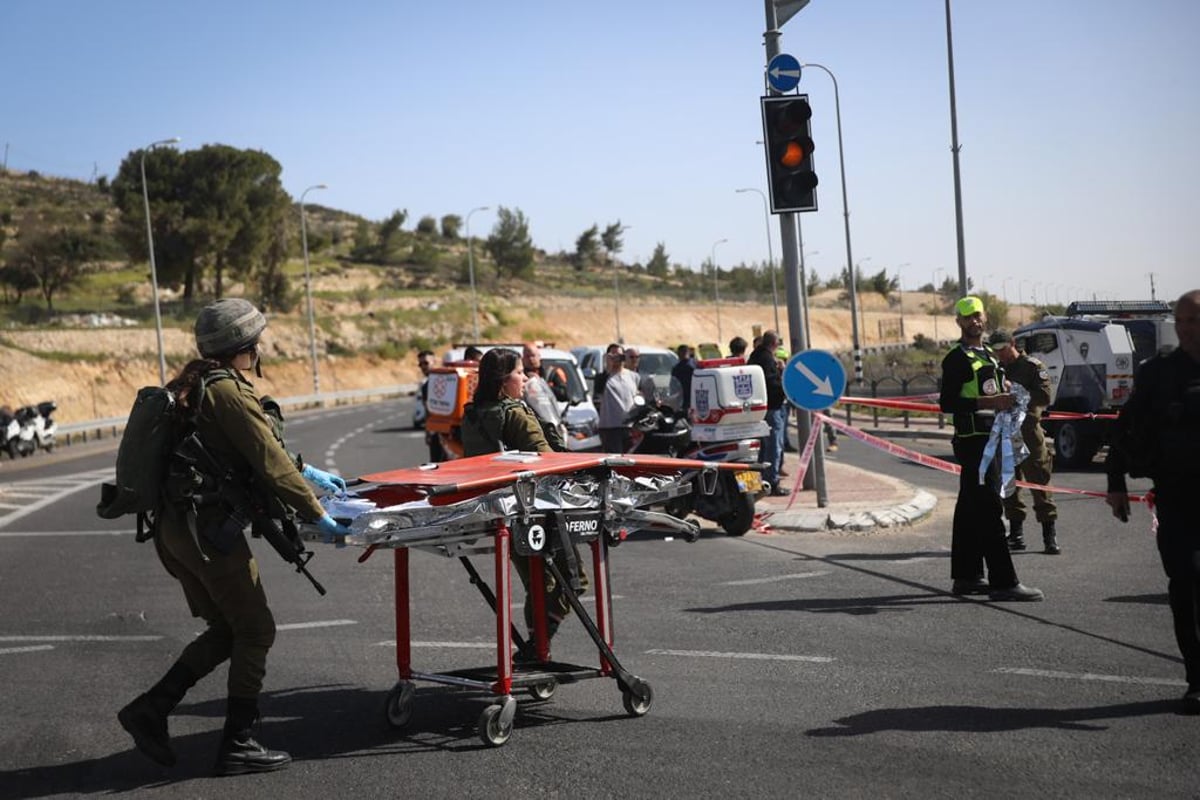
point(787, 134)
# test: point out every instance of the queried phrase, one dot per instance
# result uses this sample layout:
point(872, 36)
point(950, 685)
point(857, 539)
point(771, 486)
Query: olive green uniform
point(1031, 374)
point(511, 425)
point(225, 590)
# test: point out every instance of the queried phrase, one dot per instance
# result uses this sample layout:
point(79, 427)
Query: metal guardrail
point(91, 430)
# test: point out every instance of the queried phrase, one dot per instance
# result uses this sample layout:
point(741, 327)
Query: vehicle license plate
point(748, 480)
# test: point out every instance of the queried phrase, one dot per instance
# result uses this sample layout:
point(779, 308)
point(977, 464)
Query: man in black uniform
point(771, 451)
point(973, 390)
point(1036, 468)
point(1158, 436)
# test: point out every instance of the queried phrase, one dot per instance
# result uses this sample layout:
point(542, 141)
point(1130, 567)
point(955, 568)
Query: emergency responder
point(555, 376)
point(1158, 436)
point(973, 390)
point(432, 440)
point(1030, 373)
point(211, 559)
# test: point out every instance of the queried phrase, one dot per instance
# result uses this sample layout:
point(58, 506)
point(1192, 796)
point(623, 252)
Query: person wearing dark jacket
point(1157, 436)
point(772, 446)
point(498, 419)
point(210, 558)
point(973, 390)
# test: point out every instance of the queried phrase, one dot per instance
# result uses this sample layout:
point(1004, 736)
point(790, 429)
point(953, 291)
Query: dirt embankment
point(95, 373)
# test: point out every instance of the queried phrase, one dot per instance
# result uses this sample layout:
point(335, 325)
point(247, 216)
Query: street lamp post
point(900, 294)
point(770, 254)
point(1004, 288)
point(162, 356)
point(837, 105)
point(716, 292)
point(617, 289)
point(471, 272)
point(936, 294)
point(855, 322)
point(312, 324)
point(954, 148)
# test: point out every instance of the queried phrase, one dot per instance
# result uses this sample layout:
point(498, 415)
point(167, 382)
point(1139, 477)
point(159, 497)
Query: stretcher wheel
point(544, 690)
point(399, 706)
point(495, 727)
point(637, 698)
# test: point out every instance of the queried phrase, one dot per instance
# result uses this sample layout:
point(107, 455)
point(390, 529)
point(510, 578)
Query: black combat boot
point(240, 753)
point(1016, 535)
point(1050, 539)
point(145, 718)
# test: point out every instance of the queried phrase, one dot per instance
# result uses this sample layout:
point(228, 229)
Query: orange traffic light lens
point(792, 155)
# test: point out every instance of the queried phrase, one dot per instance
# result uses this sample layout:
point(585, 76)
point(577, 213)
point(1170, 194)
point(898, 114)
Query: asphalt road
point(785, 665)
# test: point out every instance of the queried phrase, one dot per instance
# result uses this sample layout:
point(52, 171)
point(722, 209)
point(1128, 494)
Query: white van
point(655, 361)
point(578, 412)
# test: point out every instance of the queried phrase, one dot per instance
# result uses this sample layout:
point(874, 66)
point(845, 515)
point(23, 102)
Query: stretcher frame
point(480, 532)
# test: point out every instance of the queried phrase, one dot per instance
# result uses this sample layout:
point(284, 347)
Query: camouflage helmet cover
point(227, 326)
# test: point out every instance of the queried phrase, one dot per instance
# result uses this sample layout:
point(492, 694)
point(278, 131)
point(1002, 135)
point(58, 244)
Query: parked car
point(578, 412)
point(655, 361)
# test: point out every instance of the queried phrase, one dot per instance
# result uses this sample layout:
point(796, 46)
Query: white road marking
point(329, 623)
point(774, 579)
point(49, 492)
point(18, 534)
point(447, 645)
point(33, 649)
point(750, 656)
point(81, 638)
point(1089, 676)
point(331, 453)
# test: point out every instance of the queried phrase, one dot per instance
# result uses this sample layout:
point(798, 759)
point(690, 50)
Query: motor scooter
point(726, 498)
point(45, 429)
point(10, 431)
point(25, 442)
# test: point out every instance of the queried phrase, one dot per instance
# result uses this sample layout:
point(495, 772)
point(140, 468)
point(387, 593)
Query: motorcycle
point(45, 429)
point(725, 497)
point(24, 443)
point(10, 432)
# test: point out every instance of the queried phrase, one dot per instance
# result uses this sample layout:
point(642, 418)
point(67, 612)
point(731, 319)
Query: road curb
point(920, 505)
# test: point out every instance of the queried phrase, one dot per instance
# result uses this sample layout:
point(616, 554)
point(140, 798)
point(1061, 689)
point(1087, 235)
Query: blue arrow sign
point(783, 73)
point(814, 380)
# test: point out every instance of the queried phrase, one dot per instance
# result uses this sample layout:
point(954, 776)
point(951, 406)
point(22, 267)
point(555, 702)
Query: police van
point(1090, 355)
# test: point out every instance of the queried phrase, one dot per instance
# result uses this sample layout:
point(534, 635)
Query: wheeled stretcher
point(528, 505)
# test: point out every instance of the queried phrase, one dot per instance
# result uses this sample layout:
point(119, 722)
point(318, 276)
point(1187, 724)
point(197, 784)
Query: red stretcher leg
point(537, 600)
point(403, 628)
point(503, 685)
point(603, 598)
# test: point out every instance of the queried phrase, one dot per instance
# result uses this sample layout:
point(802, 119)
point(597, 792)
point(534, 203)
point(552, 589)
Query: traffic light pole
point(814, 478)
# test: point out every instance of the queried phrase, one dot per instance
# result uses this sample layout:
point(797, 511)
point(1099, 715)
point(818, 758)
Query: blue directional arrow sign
point(814, 380)
point(783, 73)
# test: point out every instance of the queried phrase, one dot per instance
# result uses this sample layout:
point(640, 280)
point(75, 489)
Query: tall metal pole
point(471, 271)
point(792, 257)
point(312, 323)
point(954, 148)
point(853, 281)
point(770, 255)
point(716, 292)
point(162, 356)
point(617, 290)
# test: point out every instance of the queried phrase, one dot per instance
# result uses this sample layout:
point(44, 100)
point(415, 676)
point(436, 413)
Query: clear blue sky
point(1077, 120)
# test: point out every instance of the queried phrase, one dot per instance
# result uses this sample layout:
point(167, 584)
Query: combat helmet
point(228, 326)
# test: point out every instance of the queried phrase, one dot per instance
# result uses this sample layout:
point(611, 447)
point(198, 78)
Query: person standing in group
point(973, 390)
point(616, 404)
point(772, 446)
point(602, 376)
point(1036, 467)
point(555, 377)
point(682, 373)
point(432, 440)
point(498, 419)
point(737, 347)
point(1158, 436)
point(646, 385)
point(210, 557)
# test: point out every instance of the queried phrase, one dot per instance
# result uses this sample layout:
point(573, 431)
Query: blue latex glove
point(325, 480)
point(332, 531)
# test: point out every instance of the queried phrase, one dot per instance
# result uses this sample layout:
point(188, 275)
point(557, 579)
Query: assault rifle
point(251, 505)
